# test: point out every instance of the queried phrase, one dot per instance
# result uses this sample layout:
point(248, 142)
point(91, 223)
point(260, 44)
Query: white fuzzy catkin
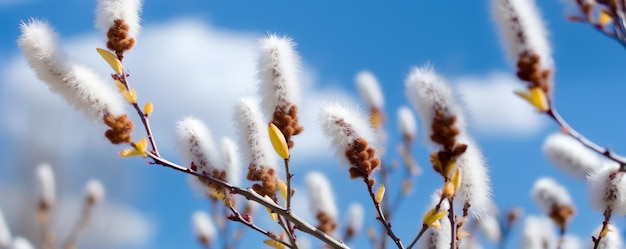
point(537, 232)
point(21, 243)
point(475, 186)
point(612, 240)
point(253, 135)
point(406, 122)
point(203, 226)
point(80, 86)
point(5, 233)
point(369, 88)
point(433, 237)
point(322, 197)
point(522, 31)
point(94, 191)
point(354, 219)
point(278, 68)
point(46, 183)
point(548, 194)
point(571, 242)
point(344, 125)
point(470, 242)
point(569, 155)
point(429, 92)
point(232, 163)
point(608, 189)
point(490, 227)
point(197, 146)
point(108, 11)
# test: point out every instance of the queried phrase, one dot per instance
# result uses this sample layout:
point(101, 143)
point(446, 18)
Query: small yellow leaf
point(269, 211)
point(604, 231)
point(448, 189)
point(148, 108)
point(278, 141)
point(380, 193)
point(130, 96)
point(604, 18)
point(535, 97)
point(456, 179)
point(434, 160)
point(217, 195)
point(436, 225)
point(283, 188)
point(120, 86)
point(274, 244)
point(138, 150)
point(112, 60)
point(449, 167)
point(434, 215)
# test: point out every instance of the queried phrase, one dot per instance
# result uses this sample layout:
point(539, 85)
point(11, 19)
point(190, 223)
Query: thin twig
point(80, 225)
point(236, 216)
point(419, 235)
point(253, 196)
point(552, 112)
point(290, 231)
point(605, 224)
point(384, 177)
point(381, 215)
point(452, 223)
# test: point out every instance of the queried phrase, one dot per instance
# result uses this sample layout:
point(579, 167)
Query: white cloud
point(494, 109)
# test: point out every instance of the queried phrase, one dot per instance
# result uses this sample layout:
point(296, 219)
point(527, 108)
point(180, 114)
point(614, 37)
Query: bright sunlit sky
point(197, 57)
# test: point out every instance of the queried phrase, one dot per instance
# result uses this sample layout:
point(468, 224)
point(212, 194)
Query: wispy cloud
point(494, 109)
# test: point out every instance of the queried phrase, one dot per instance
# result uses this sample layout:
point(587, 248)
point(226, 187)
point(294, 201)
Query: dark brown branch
point(419, 235)
point(253, 196)
point(236, 216)
point(605, 224)
point(381, 215)
point(452, 223)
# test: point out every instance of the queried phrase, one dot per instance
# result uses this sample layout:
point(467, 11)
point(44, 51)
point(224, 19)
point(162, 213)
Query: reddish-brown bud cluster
point(286, 119)
point(529, 70)
point(327, 223)
point(119, 41)
point(268, 185)
point(561, 214)
point(120, 128)
point(363, 159)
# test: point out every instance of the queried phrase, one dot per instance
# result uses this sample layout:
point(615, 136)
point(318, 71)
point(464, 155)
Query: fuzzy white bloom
point(490, 227)
point(538, 231)
point(354, 219)
point(197, 187)
point(94, 191)
point(253, 134)
point(322, 197)
point(203, 226)
point(108, 11)
point(429, 92)
point(344, 125)
point(612, 240)
point(370, 89)
point(522, 30)
point(278, 68)
point(46, 183)
point(21, 243)
point(475, 186)
point(470, 243)
point(230, 155)
point(608, 189)
point(406, 122)
point(570, 156)
point(433, 237)
point(197, 146)
point(80, 86)
point(5, 233)
point(571, 242)
point(548, 194)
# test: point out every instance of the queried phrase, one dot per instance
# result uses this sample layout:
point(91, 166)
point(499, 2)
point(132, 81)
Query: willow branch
point(419, 235)
point(236, 216)
point(381, 215)
point(253, 196)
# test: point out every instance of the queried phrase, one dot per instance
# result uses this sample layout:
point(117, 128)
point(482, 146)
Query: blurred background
point(196, 58)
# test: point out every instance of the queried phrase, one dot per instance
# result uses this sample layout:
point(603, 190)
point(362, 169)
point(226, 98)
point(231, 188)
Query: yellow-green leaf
point(456, 179)
point(111, 59)
point(434, 215)
point(148, 108)
point(380, 193)
point(138, 150)
point(604, 18)
point(278, 141)
point(535, 97)
point(274, 244)
point(283, 188)
point(130, 95)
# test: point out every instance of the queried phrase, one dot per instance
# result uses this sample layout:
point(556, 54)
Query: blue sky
point(335, 41)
